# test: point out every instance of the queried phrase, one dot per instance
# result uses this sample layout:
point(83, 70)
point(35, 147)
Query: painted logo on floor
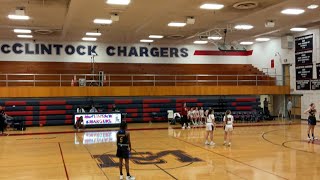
point(148, 158)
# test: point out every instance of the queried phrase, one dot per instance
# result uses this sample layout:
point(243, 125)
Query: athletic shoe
point(121, 177)
point(212, 143)
point(225, 142)
point(229, 144)
point(206, 143)
point(189, 127)
point(308, 139)
point(183, 127)
point(130, 178)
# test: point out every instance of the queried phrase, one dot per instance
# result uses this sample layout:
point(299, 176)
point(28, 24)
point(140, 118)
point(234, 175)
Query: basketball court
point(261, 151)
point(73, 71)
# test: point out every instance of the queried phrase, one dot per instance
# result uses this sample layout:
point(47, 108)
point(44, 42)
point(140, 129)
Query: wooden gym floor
point(272, 151)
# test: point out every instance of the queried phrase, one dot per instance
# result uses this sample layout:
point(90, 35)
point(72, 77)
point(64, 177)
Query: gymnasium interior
point(73, 71)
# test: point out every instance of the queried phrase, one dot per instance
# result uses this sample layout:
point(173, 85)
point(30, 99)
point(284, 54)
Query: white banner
point(99, 119)
point(110, 53)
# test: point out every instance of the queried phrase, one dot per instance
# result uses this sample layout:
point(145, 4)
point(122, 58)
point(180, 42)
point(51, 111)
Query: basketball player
point(210, 124)
point(196, 116)
point(184, 113)
point(201, 111)
point(124, 149)
point(191, 116)
point(228, 127)
point(312, 122)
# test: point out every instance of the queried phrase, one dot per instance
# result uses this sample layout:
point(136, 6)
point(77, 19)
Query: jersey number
point(121, 139)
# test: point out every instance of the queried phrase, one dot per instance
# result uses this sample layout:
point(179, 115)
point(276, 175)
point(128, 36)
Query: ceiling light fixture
point(298, 29)
point(23, 31)
point(215, 37)
point(102, 21)
point(177, 24)
point(246, 43)
point(24, 36)
point(93, 34)
point(18, 17)
point(313, 6)
point(262, 39)
point(146, 40)
point(212, 6)
point(156, 36)
point(243, 27)
point(200, 42)
point(292, 11)
point(118, 2)
point(89, 39)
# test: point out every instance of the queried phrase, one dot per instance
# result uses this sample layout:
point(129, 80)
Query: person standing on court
point(228, 127)
point(184, 113)
point(312, 122)
point(265, 107)
point(124, 149)
point(210, 124)
point(289, 108)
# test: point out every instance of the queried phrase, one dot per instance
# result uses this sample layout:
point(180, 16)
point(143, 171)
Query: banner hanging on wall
point(304, 72)
point(119, 53)
point(303, 84)
point(303, 61)
point(318, 70)
point(315, 84)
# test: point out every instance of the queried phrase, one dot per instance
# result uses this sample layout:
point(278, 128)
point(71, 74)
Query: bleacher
point(59, 111)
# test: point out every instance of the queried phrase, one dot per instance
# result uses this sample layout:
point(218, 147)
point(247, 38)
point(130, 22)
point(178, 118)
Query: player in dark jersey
point(312, 122)
point(124, 149)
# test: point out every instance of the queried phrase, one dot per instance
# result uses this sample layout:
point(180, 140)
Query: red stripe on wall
point(43, 108)
point(199, 104)
point(52, 112)
point(17, 103)
point(60, 102)
point(186, 100)
point(29, 118)
point(222, 53)
point(69, 116)
point(29, 108)
point(128, 101)
point(244, 108)
point(131, 110)
point(145, 105)
point(20, 113)
point(151, 110)
point(28, 123)
point(128, 119)
point(69, 106)
point(246, 99)
point(155, 101)
point(234, 104)
point(68, 121)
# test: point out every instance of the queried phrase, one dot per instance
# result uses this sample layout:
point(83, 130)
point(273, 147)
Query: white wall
point(101, 48)
point(264, 52)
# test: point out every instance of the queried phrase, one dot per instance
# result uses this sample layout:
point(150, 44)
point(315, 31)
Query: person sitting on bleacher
point(93, 109)
point(114, 108)
point(80, 110)
point(8, 119)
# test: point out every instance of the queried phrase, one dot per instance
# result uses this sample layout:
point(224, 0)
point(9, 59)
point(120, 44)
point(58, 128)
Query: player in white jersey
point(190, 115)
point(196, 116)
point(228, 127)
point(201, 111)
point(210, 124)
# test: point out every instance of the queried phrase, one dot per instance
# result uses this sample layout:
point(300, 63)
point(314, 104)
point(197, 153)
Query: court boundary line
point(284, 142)
point(139, 129)
point(64, 164)
point(91, 156)
point(238, 161)
point(158, 167)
